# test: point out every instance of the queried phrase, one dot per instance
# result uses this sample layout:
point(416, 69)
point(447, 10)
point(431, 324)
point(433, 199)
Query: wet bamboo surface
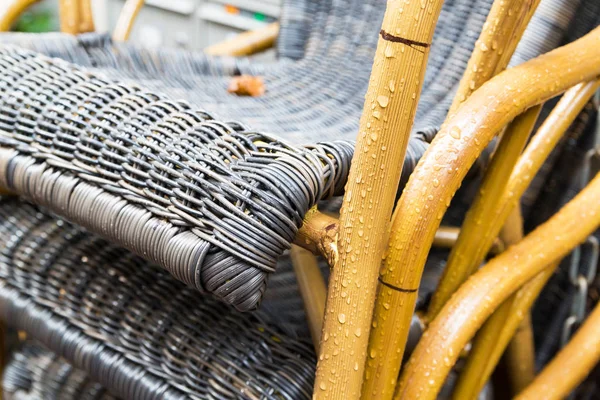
point(487, 201)
point(570, 367)
point(384, 129)
point(496, 333)
point(246, 43)
point(127, 17)
point(439, 173)
point(475, 301)
point(312, 289)
point(12, 12)
point(497, 42)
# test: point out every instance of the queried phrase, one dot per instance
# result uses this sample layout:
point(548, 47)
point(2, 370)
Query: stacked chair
point(152, 222)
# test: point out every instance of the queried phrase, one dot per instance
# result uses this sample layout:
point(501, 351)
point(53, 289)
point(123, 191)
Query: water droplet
point(455, 132)
point(342, 318)
point(376, 114)
point(389, 51)
point(383, 101)
point(358, 332)
point(436, 182)
point(386, 306)
point(392, 86)
point(323, 386)
point(373, 353)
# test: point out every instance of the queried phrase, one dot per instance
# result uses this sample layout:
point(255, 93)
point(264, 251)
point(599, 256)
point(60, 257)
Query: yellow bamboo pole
point(475, 301)
point(487, 201)
point(69, 16)
point(390, 105)
point(86, 17)
point(570, 367)
point(312, 289)
point(129, 12)
point(438, 175)
point(496, 333)
point(520, 355)
point(446, 237)
point(246, 43)
point(12, 12)
point(490, 342)
point(501, 32)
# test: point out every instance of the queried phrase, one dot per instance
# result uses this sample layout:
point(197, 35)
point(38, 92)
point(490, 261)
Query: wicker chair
point(185, 200)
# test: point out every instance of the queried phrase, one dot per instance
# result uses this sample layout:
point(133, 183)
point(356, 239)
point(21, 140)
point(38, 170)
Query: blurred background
point(188, 24)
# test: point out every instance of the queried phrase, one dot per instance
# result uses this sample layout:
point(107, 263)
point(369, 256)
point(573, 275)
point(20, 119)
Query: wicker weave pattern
point(212, 202)
point(131, 326)
point(36, 373)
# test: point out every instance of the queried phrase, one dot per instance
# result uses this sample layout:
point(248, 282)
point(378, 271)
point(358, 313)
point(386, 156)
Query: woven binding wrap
point(212, 202)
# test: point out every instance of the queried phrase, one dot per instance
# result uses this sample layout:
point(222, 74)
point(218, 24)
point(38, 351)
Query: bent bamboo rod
point(461, 264)
point(12, 12)
point(495, 334)
point(127, 17)
point(384, 130)
point(475, 301)
point(246, 43)
point(438, 175)
point(570, 367)
point(496, 44)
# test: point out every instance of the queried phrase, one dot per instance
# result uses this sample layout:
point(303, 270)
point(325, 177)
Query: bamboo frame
point(475, 301)
point(578, 357)
point(318, 234)
point(14, 10)
point(86, 17)
point(127, 17)
point(446, 237)
point(312, 289)
point(460, 263)
point(520, 354)
point(496, 333)
point(498, 40)
point(69, 16)
point(390, 105)
point(246, 43)
point(440, 172)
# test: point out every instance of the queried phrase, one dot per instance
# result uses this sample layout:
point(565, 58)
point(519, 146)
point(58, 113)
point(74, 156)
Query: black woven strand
point(130, 326)
point(36, 373)
point(214, 203)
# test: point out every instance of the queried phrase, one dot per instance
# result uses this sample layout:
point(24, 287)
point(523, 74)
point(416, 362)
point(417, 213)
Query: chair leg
point(384, 130)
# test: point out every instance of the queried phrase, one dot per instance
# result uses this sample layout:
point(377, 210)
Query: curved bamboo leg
point(570, 367)
point(12, 12)
point(487, 201)
point(439, 174)
point(497, 42)
point(475, 301)
point(489, 346)
point(312, 289)
point(390, 105)
point(129, 12)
